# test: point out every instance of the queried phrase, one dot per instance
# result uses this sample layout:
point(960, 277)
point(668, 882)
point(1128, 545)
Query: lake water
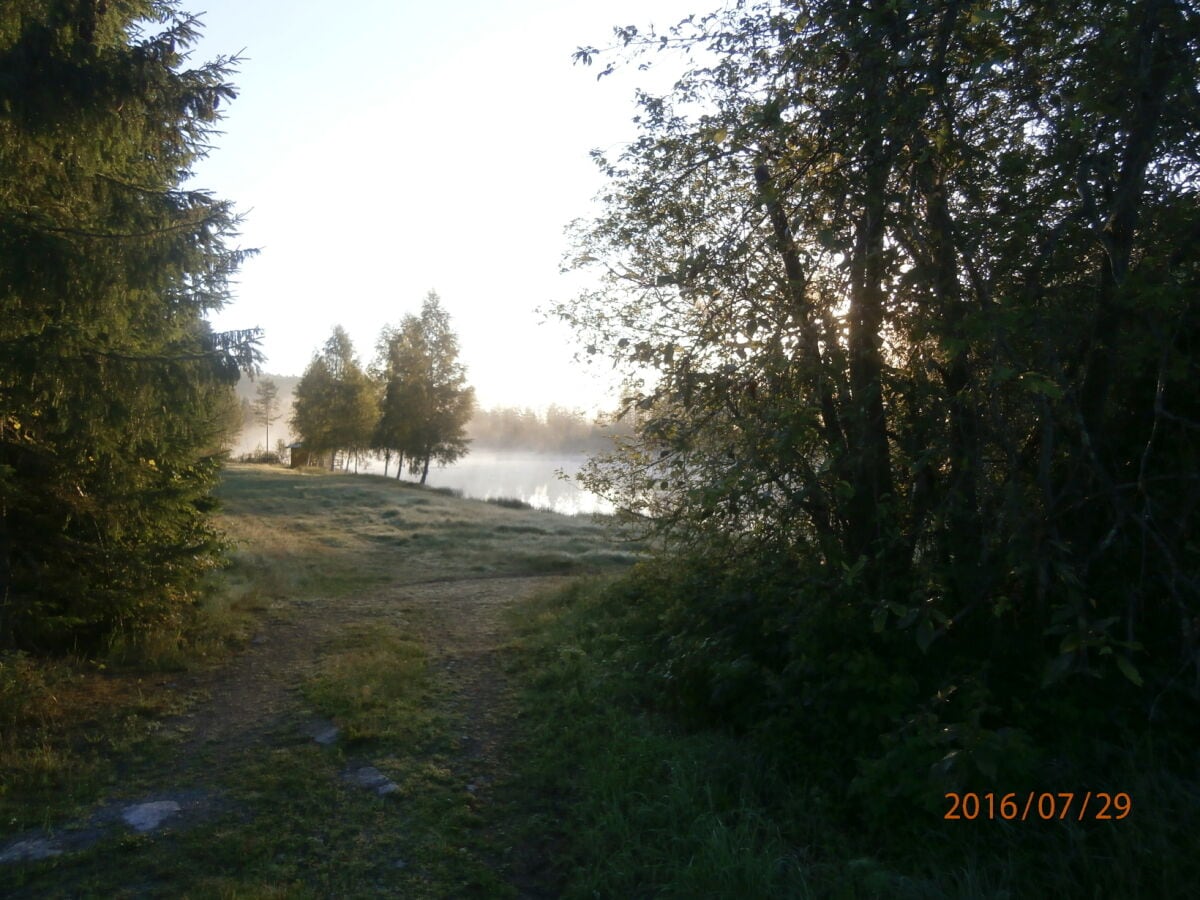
point(530, 477)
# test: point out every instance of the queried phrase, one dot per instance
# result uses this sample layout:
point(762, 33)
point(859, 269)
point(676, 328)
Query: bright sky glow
point(380, 149)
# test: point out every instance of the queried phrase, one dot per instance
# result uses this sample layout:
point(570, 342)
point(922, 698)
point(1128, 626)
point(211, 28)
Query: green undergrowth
point(638, 807)
point(70, 730)
point(648, 798)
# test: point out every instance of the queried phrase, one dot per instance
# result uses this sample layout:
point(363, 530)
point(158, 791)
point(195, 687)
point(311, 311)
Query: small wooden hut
point(298, 457)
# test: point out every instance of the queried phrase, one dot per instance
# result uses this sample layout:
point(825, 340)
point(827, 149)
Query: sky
point(381, 149)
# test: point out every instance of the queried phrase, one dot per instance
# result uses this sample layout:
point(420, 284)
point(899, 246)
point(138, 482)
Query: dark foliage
point(907, 294)
point(115, 398)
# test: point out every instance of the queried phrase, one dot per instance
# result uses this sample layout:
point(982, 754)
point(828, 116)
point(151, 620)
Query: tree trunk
point(1154, 71)
point(962, 520)
point(871, 460)
point(425, 469)
point(809, 352)
point(797, 286)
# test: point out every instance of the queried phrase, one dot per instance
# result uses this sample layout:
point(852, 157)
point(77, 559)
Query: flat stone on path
point(30, 851)
point(371, 778)
point(148, 816)
point(86, 833)
point(323, 732)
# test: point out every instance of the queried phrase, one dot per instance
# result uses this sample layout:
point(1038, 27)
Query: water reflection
point(530, 477)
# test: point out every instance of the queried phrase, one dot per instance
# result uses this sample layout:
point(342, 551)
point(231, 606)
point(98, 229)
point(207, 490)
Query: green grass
point(607, 795)
point(68, 728)
point(646, 808)
point(318, 515)
point(289, 825)
point(283, 821)
point(643, 809)
point(373, 682)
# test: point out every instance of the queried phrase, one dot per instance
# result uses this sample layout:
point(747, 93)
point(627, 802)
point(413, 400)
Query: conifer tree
point(115, 397)
point(265, 408)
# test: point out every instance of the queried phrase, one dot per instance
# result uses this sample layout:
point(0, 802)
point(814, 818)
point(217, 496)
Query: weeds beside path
point(357, 744)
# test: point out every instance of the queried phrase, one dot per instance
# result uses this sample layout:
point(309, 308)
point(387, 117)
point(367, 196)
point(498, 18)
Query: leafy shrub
point(509, 502)
point(23, 690)
point(851, 738)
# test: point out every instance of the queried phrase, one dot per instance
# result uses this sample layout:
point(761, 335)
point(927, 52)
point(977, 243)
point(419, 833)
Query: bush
point(509, 502)
point(261, 457)
point(789, 661)
point(841, 740)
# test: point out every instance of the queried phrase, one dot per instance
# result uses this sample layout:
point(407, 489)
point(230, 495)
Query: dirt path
point(459, 622)
point(258, 793)
point(252, 703)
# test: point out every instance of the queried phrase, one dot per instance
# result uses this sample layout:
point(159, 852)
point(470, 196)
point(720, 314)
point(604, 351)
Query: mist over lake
point(527, 476)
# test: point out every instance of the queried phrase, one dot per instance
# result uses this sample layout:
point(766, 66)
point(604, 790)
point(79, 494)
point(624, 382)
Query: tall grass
point(647, 807)
point(648, 810)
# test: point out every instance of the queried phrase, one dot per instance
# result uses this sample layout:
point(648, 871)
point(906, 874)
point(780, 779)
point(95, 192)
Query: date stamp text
point(1043, 805)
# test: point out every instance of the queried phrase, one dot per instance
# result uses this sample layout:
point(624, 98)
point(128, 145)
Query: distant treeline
point(558, 430)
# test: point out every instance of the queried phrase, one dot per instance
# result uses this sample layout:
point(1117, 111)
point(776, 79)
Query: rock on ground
point(148, 816)
point(30, 851)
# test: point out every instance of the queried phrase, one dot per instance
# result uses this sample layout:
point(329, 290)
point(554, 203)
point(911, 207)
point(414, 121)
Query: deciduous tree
point(335, 406)
point(426, 402)
point(265, 408)
point(906, 293)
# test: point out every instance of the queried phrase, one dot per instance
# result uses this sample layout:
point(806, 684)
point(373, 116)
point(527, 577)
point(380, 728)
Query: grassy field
point(351, 602)
point(393, 691)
